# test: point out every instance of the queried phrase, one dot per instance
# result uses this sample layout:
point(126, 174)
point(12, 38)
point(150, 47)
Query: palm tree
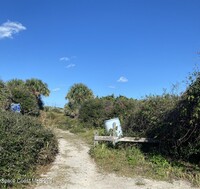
point(37, 87)
point(77, 95)
point(14, 83)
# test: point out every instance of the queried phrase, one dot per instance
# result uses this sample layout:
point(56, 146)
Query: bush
point(95, 111)
point(28, 93)
point(4, 96)
point(92, 113)
point(24, 144)
point(149, 114)
point(180, 127)
point(71, 110)
point(28, 101)
point(124, 108)
point(173, 120)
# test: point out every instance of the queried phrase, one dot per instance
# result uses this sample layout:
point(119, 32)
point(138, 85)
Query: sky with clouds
point(125, 47)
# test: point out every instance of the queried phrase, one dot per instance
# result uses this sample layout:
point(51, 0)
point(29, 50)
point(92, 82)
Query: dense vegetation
point(180, 128)
point(4, 96)
point(173, 119)
point(28, 93)
point(25, 143)
point(95, 111)
point(77, 95)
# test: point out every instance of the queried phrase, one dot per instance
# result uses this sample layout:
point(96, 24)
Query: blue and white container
point(15, 107)
point(111, 123)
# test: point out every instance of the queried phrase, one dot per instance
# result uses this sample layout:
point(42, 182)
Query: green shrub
point(180, 127)
point(95, 111)
point(76, 96)
point(71, 110)
point(92, 113)
point(4, 96)
point(149, 114)
point(172, 119)
point(28, 101)
point(24, 144)
point(124, 108)
point(28, 93)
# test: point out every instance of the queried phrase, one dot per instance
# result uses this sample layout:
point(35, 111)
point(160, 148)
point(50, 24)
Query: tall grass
point(131, 161)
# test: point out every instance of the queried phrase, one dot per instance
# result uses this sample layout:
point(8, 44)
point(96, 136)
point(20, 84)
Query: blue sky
point(123, 47)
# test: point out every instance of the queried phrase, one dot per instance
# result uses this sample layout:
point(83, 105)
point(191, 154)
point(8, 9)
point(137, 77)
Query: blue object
point(15, 107)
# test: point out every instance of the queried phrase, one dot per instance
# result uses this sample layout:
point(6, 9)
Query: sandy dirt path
point(74, 169)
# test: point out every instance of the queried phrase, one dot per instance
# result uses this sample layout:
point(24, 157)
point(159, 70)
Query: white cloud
point(8, 29)
point(65, 59)
point(122, 79)
point(56, 89)
point(70, 65)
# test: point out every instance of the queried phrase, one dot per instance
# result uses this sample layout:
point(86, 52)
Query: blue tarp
point(15, 107)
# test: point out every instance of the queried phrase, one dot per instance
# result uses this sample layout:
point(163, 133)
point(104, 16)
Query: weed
point(140, 182)
point(130, 161)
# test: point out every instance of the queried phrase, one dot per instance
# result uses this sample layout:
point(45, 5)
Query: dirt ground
point(75, 169)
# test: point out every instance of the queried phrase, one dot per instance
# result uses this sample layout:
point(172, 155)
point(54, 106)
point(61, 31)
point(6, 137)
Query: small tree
point(77, 95)
point(39, 89)
point(28, 94)
point(27, 100)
